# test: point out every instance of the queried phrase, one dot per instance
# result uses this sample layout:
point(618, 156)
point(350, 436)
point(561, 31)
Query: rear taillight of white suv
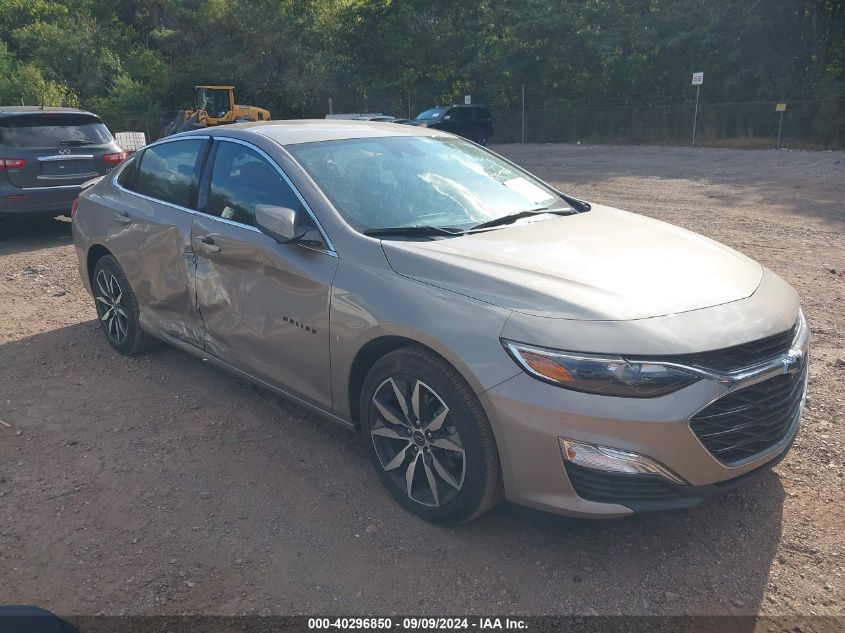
point(74, 208)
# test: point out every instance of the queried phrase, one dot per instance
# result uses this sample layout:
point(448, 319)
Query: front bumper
point(530, 416)
point(36, 201)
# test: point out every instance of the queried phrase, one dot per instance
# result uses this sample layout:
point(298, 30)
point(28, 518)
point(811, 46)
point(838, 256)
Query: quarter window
point(126, 178)
point(241, 180)
point(462, 114)
point(168, 171)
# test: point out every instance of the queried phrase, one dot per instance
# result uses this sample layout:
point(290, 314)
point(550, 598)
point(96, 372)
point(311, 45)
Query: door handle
point(207, 243)
point(122, 217)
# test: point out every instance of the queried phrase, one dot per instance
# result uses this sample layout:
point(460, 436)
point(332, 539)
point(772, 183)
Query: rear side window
point(241, 180)
point(53, 129)
point(482, 114)
point(463, 114)
point(126, 178)
point(168, 171)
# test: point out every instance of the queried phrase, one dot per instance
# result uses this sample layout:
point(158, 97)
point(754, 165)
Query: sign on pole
point(780, 107)
point(467, 99)
point(697, 80)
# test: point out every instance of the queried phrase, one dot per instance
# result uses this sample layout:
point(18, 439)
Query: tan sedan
point(487, 335)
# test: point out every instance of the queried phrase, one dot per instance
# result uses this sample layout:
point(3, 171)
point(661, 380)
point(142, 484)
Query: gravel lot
point(159, 485)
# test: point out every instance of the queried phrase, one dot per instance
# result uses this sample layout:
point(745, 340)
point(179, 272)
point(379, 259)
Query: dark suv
point(470, 121)
point(45, 156)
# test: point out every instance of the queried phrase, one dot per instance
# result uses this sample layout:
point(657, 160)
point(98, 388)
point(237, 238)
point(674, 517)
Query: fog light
point(613, 460)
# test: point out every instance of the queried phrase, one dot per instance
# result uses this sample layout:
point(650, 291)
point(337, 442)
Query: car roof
point(47, 109)
point(313, 130)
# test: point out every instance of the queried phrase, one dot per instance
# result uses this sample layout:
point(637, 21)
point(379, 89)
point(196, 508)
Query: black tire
point(121, 327)
point(442, 390)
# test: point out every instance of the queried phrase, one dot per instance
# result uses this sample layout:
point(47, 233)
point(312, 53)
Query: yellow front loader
point(215, 105)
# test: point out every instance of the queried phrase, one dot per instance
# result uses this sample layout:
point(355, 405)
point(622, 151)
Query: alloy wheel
point(416, 442)
point(110, 306)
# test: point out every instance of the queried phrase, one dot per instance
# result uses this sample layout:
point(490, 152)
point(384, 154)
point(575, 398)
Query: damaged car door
point(149, 228)
point(265, 304)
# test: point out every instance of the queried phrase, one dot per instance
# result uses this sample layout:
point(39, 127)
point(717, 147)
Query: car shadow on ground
point(21, 234)
point(145, 442)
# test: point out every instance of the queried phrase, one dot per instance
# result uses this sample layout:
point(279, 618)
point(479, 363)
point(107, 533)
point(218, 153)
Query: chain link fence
point(806, 124)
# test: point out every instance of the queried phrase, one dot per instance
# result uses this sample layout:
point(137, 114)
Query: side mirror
point(279, 223)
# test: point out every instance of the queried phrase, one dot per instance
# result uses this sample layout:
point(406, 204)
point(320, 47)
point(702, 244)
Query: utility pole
point(523, 114)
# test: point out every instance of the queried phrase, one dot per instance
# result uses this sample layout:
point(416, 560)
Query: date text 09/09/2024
point(417, 623)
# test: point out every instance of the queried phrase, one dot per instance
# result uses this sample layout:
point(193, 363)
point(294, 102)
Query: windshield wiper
point(513, 217)
point(413, 231)
point(76, 142)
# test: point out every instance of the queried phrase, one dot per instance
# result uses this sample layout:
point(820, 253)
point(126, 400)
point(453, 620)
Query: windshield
point(434, 113)
point(401, 181)
point(52, 130)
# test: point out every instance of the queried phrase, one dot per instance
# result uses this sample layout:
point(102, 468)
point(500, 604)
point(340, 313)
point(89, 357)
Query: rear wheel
point(117, 308)
point(428, 437)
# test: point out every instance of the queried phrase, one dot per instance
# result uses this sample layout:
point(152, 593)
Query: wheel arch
point(384, 343)
point(95, 254)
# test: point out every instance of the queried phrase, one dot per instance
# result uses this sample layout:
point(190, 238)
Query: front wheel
point(428, 437)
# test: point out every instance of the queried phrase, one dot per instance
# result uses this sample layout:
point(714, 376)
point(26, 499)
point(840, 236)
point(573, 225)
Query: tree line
point(135, 62)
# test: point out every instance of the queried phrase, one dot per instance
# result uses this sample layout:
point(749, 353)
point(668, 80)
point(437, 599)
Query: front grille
point(605, 487)
point(738, 356)
point(750, 421)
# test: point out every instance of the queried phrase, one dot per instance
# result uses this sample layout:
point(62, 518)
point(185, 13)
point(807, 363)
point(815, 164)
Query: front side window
point(241, 180)
point(168, 171)
point(403, 181)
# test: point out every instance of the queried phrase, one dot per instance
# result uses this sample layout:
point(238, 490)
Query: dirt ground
point(159, 485)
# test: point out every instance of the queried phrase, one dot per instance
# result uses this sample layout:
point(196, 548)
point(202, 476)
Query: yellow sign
point(780, 107)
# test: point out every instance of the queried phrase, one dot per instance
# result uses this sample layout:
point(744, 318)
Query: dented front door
point(265, 306)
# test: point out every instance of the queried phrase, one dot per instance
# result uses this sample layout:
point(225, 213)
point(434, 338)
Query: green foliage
point(129, 104)
point(137, 61)
point(24, 84)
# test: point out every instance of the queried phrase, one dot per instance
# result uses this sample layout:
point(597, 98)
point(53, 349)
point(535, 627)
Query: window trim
point(329, 250)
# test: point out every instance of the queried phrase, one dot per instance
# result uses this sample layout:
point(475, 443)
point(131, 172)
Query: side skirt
point(203, 355)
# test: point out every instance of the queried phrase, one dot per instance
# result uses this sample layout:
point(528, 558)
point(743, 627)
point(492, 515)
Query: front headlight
point(605, 375)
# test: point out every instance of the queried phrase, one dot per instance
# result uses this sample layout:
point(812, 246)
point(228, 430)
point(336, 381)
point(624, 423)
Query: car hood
point(604, 264)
